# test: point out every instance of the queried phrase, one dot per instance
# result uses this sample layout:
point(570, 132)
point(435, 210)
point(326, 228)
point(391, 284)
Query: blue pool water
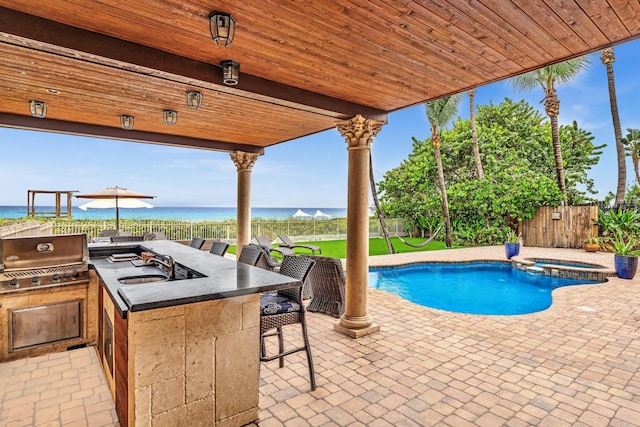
point(475, 288)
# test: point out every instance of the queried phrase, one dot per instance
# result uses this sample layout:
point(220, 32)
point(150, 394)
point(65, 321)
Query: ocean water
point(173, 213)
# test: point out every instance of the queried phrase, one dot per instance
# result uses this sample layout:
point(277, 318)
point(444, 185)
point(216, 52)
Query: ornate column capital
point(359, 132)
point(244, 161)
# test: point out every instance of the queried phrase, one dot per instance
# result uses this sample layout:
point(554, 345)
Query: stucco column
point(244, 163)
point(359, 133)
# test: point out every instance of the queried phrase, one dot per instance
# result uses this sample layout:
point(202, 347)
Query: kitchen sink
point(145, 278)
point(152, 274)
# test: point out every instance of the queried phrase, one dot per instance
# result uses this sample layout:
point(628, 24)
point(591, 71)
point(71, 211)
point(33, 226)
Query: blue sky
point(310, 171)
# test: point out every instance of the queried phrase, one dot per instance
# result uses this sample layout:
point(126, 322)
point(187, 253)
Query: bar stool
point(286, 308)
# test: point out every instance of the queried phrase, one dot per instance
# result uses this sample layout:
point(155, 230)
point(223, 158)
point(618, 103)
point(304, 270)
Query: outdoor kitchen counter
point(187, 352)
point(226, 278)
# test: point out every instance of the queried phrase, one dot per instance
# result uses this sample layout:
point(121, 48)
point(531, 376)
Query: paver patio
point(575, 364)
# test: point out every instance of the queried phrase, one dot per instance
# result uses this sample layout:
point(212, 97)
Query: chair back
point(197, 242)
point(159, 235)
point(264, 242)
point(331, 266)
point(286, 239)
point(219, 248)
point(298, 268)
point(250, 254)
point(108, 233)
point(149, 235)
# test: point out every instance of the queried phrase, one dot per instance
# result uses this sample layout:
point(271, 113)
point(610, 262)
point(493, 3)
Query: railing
point(298, 229)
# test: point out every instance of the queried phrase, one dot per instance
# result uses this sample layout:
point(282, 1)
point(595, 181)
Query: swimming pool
point(474, 288)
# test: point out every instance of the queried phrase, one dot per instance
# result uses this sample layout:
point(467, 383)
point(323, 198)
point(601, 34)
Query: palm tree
point(439, 113)
point(608, 57)
point(376, 202)
point(632, 145)
point(474, 133)
point(548, 78)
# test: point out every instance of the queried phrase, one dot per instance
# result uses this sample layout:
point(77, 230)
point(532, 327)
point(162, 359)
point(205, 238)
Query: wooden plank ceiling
point(304, 65)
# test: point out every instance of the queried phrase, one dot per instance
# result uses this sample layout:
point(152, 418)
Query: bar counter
point(183, 352)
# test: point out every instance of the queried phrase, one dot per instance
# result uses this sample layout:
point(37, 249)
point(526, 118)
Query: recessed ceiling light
point(53, 91)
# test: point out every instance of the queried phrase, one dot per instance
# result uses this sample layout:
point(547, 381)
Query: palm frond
point(442, 110)
point(551, 75)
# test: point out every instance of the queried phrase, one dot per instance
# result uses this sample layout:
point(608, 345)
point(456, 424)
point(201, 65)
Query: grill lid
point(26, 253)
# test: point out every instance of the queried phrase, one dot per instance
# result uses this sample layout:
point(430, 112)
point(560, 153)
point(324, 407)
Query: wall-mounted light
point(38, 109)
point(230, 72)
point(194, 99)
point(170, 117)
point(126, 122)
point(223, 27)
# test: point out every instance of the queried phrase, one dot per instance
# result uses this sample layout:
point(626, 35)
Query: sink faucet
point(167, 262)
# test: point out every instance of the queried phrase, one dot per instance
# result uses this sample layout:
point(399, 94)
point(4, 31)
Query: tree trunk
point(443, 190)
point(381, 218)
point(552, 108)
point(474, 134)
point(557, 154)
point(607, 56)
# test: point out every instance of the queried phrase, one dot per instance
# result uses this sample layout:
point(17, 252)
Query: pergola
point(305, 67)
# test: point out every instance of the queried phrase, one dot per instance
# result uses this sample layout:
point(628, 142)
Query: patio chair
point(288, 243)
point(219, 248)
point(108, 233)
point(257, 256)
point(266, 244)
point(286, 308)
point(159, 235)
point(197, 242)
point(327, 283)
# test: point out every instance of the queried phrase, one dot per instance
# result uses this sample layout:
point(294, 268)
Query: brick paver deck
point(575, 364)
point(59, 389)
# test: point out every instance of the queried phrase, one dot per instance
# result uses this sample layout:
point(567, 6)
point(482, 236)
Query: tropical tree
point(474, 133)
point(548, 78)
point(632, 148)
point(439, 113)
point(519, 173)
point(608, 58)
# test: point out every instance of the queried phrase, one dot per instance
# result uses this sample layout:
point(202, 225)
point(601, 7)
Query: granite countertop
point(225, 278)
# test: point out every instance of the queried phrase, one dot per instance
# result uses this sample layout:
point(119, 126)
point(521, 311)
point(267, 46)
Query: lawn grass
point(377, 246)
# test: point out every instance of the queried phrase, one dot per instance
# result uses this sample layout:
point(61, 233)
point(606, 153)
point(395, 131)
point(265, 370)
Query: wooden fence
point(560, 227)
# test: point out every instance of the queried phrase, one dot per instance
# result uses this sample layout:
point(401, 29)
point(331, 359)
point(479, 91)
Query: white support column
point(359, 133)
point(244, 163)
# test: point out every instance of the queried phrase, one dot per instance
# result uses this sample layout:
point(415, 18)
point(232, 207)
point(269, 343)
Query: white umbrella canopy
point(301, 214)
point(117, 195)
point(111, 203)
point(320, 214)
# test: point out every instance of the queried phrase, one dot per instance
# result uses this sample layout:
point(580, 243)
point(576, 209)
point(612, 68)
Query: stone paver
point(33, 391)
point(575, 363)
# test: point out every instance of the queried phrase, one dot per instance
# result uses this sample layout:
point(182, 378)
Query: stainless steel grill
point(43, 261)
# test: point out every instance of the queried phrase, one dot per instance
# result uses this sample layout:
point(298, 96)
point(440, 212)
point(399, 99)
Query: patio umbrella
point(111, 203)
point(301, 214)
point(320, 214)
point(120, 197)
